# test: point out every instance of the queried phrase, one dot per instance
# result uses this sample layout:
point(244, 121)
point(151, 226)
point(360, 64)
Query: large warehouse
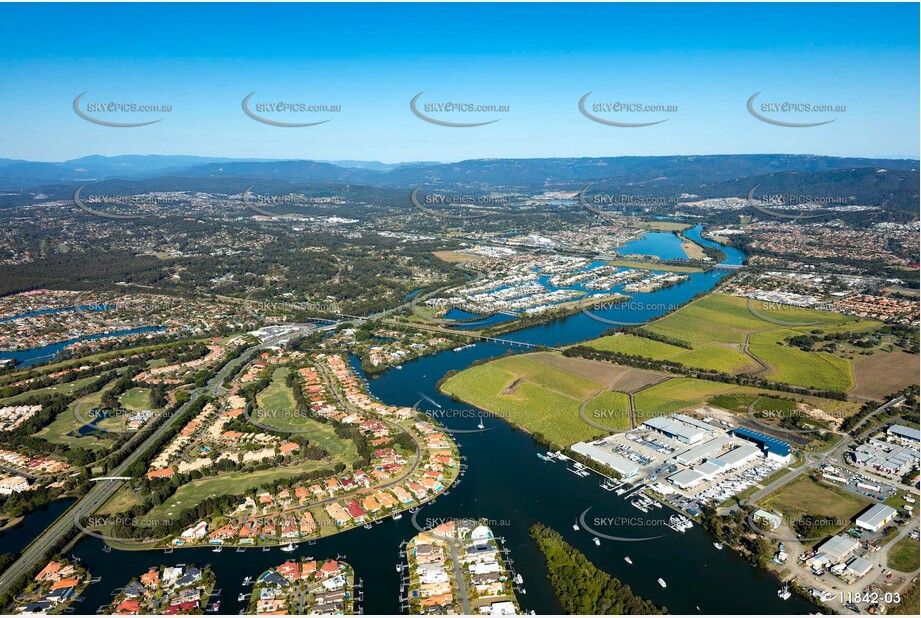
point(621, 465)
point(682, 432)
point(875, 517)
point(772, 447)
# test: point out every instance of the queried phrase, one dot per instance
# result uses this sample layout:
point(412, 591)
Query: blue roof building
point(772, 447)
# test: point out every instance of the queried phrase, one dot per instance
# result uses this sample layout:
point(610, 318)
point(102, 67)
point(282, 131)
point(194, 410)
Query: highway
point(104, 490)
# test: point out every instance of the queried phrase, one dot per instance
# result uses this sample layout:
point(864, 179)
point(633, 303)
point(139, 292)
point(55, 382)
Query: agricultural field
point(721, 328)
point(610, 409)
point(676, 395)
point(681, 394)
point(712, 357)
point(531, 395)
point(793, 366)
point(884, 373)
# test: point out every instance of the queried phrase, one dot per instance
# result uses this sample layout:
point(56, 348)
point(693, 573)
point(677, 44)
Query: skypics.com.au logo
point(428, 111)
point(259, 111)
point(114, 109)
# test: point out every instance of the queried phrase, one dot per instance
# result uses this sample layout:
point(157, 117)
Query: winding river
point(509, 485)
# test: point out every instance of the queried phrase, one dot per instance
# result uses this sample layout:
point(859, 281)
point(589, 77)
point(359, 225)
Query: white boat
point(718, 545)
point(544, 457)
point(519, 579)
point(575, 527)
point(218, 549)
point(247, 580)
point(397, 516)
point(288, 547)
point(628, 560)
point(596, 541)
point(480, 425)
point(662, 583)
point(784, 593)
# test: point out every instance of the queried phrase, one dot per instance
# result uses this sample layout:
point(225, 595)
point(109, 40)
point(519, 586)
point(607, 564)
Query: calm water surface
point(508, 484)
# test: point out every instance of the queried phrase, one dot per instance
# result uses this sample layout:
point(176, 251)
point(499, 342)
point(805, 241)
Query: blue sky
point(538, 59)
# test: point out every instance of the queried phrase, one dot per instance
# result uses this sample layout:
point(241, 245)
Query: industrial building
point(682, 432)
point(702, 451)
point(772, 447)
point(737, 457)
point(621, 465)
point(902, 432)
point(875, 517)
point(838, 548)
point(859, 566)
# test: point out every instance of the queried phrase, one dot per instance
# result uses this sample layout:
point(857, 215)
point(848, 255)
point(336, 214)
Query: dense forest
point(580, 586)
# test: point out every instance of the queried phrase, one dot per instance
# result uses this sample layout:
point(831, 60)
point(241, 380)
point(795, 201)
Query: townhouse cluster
point(33, 465)
point(191, 449)
point(12, 417)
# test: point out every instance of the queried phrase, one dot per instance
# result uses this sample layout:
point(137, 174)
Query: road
point(104, 490)
point(833, 455)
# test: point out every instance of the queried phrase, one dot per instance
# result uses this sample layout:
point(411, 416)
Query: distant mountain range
point(890, 183)
point(525, 173)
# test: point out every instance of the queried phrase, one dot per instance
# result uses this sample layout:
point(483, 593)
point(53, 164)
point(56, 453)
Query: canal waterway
point(507, 484)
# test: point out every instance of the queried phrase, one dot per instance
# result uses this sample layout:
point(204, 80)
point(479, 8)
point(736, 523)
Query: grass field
point(279, 411)
point(235, 483)
point(61, 389)
point(713, 357)
point(123, 500)
point(805, 496)
point(662, 226)
point(456, 257)
point(655, 267)
point(60, 430)
point(716, 327)
point(904, 556)
point(794, 366)
point(136, 399)
point(609, 409)
point(277, 395)
point(529, 395)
